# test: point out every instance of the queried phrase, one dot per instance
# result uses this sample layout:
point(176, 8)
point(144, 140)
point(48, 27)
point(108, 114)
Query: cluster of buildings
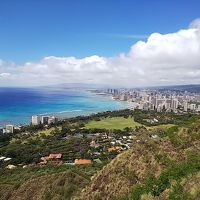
point(171, 101)
point(57, 159)
point(37, 119)
point(109, 144)
point(101, 143)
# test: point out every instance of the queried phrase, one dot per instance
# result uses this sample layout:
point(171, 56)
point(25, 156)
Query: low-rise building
point(52, 158)
point(11, 167)
point(82, 161)
point(115, 148)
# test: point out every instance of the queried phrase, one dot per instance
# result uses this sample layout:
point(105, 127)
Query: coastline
point(76, 103)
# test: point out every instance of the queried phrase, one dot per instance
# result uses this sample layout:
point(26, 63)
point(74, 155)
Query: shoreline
point(62, 114)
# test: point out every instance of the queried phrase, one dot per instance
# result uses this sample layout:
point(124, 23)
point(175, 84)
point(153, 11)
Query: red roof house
point(82, 161)
point(52, 158)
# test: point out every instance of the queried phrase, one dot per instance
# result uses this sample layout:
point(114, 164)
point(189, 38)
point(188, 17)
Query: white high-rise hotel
point(36, 120)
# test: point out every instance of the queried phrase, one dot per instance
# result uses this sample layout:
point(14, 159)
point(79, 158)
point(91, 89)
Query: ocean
point(17, 105)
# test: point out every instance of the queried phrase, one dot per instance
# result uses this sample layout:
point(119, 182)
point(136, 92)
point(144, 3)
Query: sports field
point(112, 123)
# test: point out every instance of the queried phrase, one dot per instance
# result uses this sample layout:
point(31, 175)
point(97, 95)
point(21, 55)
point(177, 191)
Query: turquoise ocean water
point(17, 105)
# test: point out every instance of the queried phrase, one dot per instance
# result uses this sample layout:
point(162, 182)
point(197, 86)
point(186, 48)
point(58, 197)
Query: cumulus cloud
point(195, 23)
point(163, 59)
point(4, 75)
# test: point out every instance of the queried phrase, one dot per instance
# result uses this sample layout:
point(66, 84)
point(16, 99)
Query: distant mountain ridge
point(188, 88)
point(79, 86)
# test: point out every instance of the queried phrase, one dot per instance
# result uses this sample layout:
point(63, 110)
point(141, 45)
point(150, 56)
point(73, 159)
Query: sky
point(116, 42)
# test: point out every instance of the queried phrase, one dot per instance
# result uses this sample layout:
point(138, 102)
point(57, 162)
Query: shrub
point(137, 192)
point(178, 193)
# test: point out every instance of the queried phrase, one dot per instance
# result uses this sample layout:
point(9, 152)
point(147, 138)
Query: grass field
point(112, 123)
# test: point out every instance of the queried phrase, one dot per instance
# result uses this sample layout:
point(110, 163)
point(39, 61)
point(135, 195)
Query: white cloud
point(164, 59)
point(4, 75)
point(195, 23)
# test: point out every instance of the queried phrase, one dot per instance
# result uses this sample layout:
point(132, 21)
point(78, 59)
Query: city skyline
point(133, 44)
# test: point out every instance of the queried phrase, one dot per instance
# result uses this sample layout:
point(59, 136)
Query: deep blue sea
point(17, 105)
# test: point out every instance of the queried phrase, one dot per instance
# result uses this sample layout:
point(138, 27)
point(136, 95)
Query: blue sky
point(33, 29)
point(114, 42)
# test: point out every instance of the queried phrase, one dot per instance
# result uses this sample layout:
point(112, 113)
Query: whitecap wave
point(61, 112)
point(70, 111)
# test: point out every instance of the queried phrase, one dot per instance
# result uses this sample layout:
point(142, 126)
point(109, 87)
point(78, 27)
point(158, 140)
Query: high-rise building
point(185, 106)
point(9, 128)
point(192, 106)
point(174, 105)
point(160, 102)
point(52, 120)
point(36, 120)
point(45, 119)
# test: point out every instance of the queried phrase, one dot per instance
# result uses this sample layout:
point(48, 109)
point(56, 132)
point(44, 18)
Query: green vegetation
point(161, 126)
point(155, 186)
point(162, 160)
point(45, 182)
point(34, 149)
point(167, 168)
point(113, 123)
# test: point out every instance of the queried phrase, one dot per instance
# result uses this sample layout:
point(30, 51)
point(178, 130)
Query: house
point(69, 162)
point(154, 136)
point(7, 159)
point(55, 156)
point(52, 159)
point(119, 141)
point(115, 148)
point(94, 144)
point(11, 167)
point(44, 160)
point(2, 158)
point(98, 161)
point(82, 162)
point(131, 136)
point(78, 135)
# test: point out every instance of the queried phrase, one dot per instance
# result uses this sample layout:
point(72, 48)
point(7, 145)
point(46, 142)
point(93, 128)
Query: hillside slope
point(42, 184)
point(167, 168)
